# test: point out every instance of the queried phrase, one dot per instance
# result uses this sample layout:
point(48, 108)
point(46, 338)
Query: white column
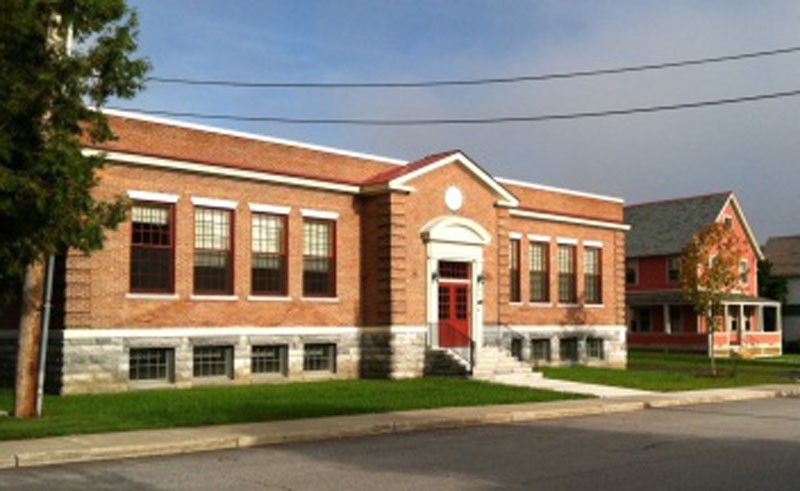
point(667, 319)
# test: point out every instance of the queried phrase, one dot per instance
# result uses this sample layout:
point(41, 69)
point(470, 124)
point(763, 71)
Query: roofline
point(561, 218)
point(669, 200)
point(508, 199)
point(250, 136)
point(543, 187)
point(782, 237)
point(737, 208)
point(125, 158)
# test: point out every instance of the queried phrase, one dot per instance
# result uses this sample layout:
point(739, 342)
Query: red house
point(658, 315)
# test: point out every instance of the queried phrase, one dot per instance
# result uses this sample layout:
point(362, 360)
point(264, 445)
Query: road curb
point(87, 448)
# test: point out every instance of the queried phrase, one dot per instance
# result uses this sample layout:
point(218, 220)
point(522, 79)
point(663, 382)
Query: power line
point(479, 81)
point(472, 121)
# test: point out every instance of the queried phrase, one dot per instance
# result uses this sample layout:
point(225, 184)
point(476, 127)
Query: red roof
point(391, 174)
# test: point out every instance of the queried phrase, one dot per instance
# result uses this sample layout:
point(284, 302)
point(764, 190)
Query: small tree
point(710, 270)
point(49, 100)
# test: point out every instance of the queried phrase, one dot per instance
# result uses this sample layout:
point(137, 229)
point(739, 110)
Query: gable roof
point(663, 228)
point(784, 254)
point(398, 178)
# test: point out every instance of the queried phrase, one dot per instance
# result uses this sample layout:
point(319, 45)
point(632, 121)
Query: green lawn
point(671, 372)
point(219, 405)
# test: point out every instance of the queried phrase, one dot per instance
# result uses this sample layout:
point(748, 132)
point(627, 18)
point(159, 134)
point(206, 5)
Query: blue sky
point(752, 149)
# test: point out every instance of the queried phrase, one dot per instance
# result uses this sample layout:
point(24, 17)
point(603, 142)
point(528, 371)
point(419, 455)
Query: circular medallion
point(453, 198)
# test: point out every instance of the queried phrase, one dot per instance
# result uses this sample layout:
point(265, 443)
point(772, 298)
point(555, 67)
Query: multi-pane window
point(154, 364)
point(568, 349)
point(319, 357)
point(152, 248)
point(269, 359)
point(213, 361)
point(319, 258)
point(268, 275)
point(744, 271)
point(513, 269)
point(673, 269)
point(213, 254)
point(592, 278)
point(594, 348)
point(540, 349)
point(538, 271)
point(566, 274)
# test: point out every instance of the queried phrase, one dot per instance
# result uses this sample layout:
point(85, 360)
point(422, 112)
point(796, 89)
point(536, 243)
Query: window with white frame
point(744, 271)
point(152, 248)
point(594, 348)
point(538, 271)
point(592, 275)
point(567, 275)
point(513, 269)
point(268, 267)
point(213, 252)
point(319, 258)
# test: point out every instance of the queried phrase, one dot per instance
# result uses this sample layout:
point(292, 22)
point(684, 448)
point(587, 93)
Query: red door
point(453, 314)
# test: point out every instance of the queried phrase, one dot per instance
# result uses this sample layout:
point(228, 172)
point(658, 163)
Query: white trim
point(268, 298)
point(322, 215)
point(737, 209)
point(567, 305)
point(154, 197)
point(546, 328)
point(214, 203)
point(320, 299)
point(593, 243)
point(542, 187)
point(219, 170)
point(249, 136)
point(566, 241)
point(553, 217)
point(213, 298)
point(540, 305)
point(182, 332)
point(594, 306)
point(538, 238)
point(152, 296)
point(507, 199)
point(273, 209)
point(515, 235)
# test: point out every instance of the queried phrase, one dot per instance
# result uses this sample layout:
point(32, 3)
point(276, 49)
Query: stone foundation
point(614, 347)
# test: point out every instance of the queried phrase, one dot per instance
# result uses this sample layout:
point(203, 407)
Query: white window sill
point(540, 305)
point(568, 305)
point(214, 298)
point(594, 305)
point(320, 299)
point(517, 304)
point(152, 296)
point(269, 298)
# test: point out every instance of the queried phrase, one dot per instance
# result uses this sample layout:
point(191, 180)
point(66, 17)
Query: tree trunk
point(30, 335)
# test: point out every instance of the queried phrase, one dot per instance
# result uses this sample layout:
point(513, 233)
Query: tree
point(710, 270)
point(50, 102)
point(769, 285)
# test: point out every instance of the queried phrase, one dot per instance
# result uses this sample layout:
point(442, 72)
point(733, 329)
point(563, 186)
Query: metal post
point(42, 368)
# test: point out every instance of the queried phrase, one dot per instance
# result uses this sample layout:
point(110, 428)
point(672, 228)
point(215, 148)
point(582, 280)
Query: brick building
point(248, 259)
point(658, 315)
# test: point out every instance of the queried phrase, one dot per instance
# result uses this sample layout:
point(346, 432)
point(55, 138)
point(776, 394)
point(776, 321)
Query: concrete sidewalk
point(48, 451)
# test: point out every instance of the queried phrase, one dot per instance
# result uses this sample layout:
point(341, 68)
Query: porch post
point(726, 325)
point(760, 310)
point(667, 319)
point(741, 324)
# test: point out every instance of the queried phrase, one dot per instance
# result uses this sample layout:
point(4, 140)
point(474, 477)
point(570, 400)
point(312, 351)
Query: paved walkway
point(603, 391)
point(47, 451)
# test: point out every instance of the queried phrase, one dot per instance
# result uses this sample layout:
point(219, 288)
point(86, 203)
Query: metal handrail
point(466, 352)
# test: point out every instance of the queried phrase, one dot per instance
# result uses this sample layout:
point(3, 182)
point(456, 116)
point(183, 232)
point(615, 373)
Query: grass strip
point(151, 409)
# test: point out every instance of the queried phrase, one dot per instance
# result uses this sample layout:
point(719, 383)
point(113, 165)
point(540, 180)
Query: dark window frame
point(211, 368)
point(263, 363)
point(308, 279)
point(595, 348)
point(514, 264)
point(256, 278)
point(203, 276)
point(325, 362)
point(593, 281)
point(539, 279)
point(567, 280)
point(145, 361)
point(138, 247)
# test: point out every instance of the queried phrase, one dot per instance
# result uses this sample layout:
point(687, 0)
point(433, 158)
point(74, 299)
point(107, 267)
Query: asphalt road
point(732, 446)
